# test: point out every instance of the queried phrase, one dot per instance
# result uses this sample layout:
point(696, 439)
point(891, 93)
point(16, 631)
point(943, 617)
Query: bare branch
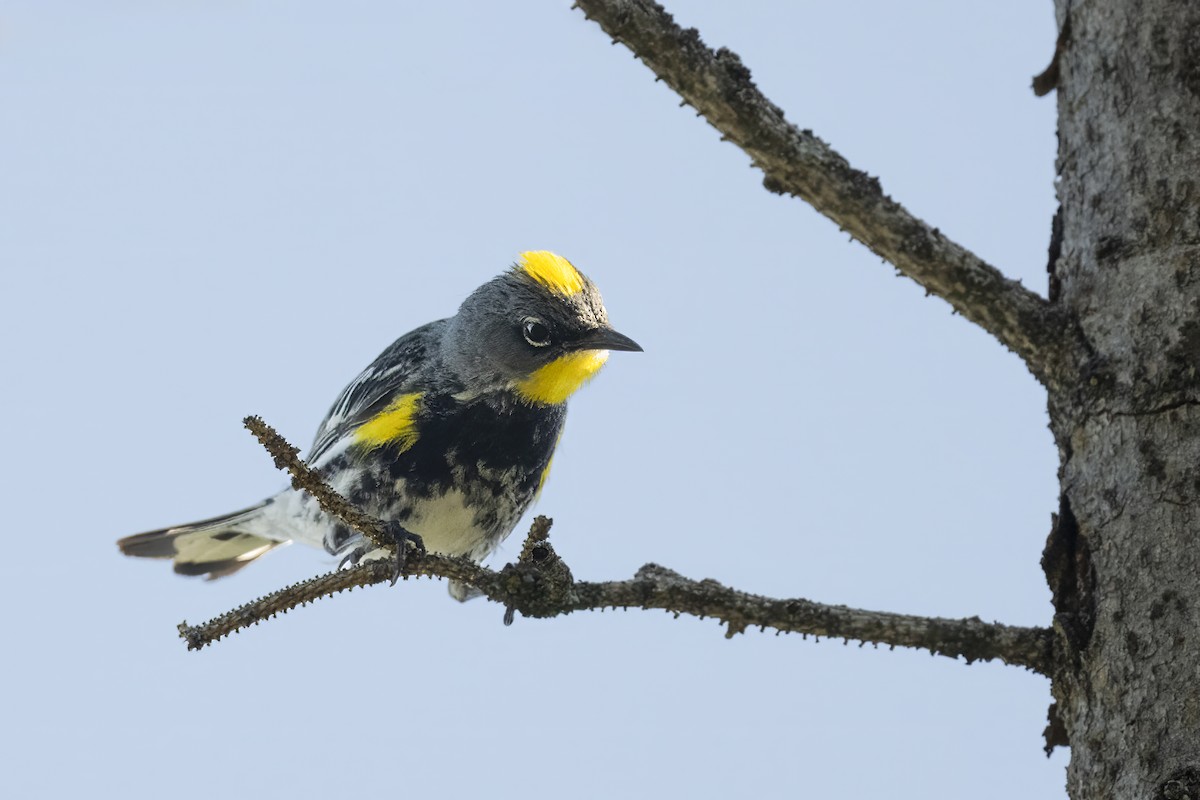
point(1046, 81)
point(539, 584)
point(287, 458)
point(327, 585)
point(971, 638)
point(796, 162)
point(542, 587)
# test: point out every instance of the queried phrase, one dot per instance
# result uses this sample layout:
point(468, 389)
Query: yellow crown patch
point(552, 271)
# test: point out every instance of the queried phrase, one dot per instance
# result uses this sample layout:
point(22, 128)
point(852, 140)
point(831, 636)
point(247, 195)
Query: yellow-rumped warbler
point(449, 433)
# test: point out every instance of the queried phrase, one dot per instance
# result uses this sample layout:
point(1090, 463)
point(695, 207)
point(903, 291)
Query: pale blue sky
point(211, 209)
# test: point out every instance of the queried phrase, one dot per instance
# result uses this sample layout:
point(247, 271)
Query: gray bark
point(1123, 559)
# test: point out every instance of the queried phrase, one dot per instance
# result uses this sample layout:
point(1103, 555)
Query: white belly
point(446, 525)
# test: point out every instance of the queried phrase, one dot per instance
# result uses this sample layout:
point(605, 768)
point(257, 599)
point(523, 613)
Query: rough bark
point(1123, 559)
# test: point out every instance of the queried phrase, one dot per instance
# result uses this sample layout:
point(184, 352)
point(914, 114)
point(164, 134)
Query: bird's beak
point(605, 339)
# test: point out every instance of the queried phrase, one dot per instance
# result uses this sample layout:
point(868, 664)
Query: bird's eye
point(536, 332)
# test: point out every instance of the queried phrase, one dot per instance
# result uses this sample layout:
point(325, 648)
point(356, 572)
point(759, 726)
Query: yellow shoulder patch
point(558, 380)
point(552, 271)
point(396, 424)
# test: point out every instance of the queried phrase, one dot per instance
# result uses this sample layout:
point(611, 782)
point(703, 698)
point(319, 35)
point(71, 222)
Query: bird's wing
point(398, 370)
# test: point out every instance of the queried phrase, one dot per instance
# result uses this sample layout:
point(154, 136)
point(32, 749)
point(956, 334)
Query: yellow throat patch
point(558, 380)
point(395, 424)
point(552, 271)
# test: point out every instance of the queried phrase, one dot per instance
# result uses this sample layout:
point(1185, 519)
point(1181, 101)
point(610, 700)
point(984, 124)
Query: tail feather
point(212, 547)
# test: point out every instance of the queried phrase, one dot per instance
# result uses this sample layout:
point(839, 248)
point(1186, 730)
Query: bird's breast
point(466, 478)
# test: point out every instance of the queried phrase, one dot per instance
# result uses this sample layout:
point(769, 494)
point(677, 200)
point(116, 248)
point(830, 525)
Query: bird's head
point(539, 329)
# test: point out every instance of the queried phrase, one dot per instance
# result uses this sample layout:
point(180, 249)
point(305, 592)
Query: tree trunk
point(1123, 560)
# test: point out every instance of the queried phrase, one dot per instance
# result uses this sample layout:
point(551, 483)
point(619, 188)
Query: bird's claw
point(406, 542)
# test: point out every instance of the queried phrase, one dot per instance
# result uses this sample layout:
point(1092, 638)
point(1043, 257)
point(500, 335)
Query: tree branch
point(797, 163)
point(539, 584)
point(287, 458)
point(1047, 80)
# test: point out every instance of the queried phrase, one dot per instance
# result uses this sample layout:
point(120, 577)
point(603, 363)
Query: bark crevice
point(1067, 563)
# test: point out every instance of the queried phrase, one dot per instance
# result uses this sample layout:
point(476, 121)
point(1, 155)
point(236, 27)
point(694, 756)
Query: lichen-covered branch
point(539, 584)
point(798, 163)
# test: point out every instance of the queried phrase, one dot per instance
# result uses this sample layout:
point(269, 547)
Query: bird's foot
point(407, 543)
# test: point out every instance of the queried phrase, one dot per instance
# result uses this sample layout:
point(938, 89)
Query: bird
point(449, 434)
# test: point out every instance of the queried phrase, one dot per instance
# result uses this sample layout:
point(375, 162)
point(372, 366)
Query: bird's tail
point(211, 547)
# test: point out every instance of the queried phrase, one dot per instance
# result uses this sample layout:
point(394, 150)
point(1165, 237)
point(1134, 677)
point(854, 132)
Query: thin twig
point(287, 458)
point(796, 162)
point(539, 584)
point(327, 585)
